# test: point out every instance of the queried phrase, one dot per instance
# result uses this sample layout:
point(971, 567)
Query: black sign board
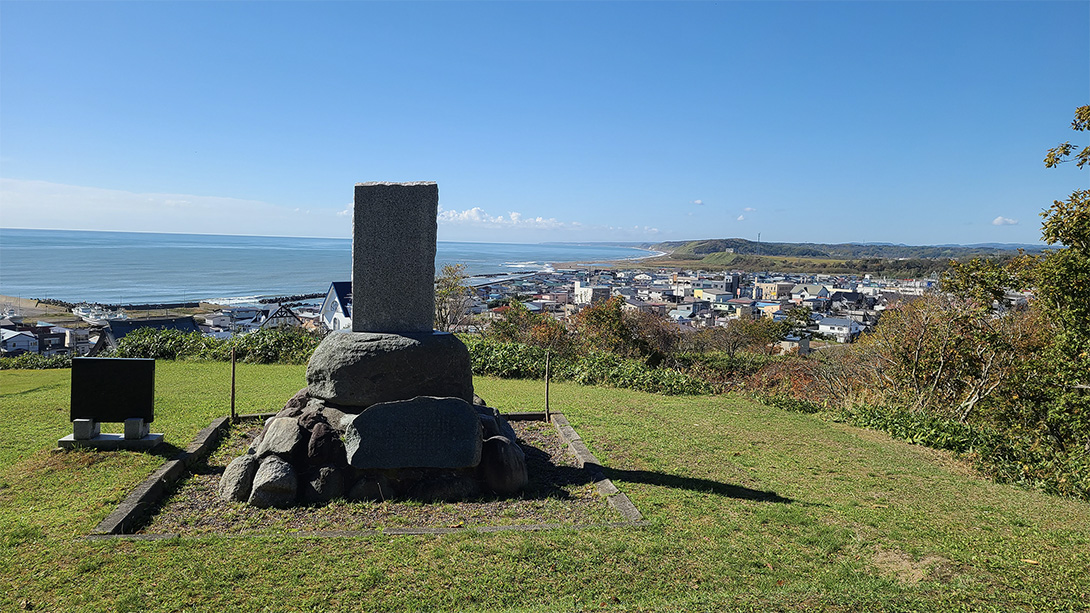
point(113, 389)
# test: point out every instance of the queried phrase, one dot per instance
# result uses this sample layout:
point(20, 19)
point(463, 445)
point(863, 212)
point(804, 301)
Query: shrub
point(34, 361)
point(490, 356)
point(271, 346)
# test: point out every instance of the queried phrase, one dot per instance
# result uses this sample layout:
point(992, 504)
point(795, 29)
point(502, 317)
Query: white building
point(590, 294)
point(336, 311)
point(844, 330)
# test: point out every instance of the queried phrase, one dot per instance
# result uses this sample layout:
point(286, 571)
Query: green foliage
point(518, 325)
point(979, 280)
point(793, 404)
point(452, 297)
point(606, 326)
point(34, 361)
point(876, 253)
point(266, 346)
point(166, 345)
point(720, 366)
point(756, 335)
point(491, 356)
point(1061, 278)
point(1060, 153)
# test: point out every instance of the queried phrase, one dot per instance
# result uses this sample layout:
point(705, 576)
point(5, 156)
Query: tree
point(631, 334)
point(1061, 278)
point(947, 354)
point(518, 325)
point(453, 298)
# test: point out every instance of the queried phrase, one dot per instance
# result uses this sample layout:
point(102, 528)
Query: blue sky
point(913, 122)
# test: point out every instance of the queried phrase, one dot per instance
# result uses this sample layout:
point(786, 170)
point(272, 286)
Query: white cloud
point(698, 202)
point(514, 219)
point(42, 204)
point(741, 218)
point(1004, 221)
point(749, 209)
point(477, 224)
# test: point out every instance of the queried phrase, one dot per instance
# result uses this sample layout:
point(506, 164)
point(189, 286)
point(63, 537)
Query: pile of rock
point(425, 448)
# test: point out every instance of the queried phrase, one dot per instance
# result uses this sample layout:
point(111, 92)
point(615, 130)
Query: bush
point(34, 361)
point(516, 360)
point(272, 346)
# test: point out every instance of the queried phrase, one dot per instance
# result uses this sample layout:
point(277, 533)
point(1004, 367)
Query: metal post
point(234, 418)
point(547, 416)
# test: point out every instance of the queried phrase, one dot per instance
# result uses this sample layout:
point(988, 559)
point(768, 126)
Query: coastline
point(134, 268)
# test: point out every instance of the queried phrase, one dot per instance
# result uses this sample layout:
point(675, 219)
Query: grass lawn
point(750, 508)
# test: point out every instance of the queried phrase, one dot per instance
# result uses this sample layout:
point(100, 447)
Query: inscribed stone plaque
point(424, 432)
point(393, 257)
point(113, 389)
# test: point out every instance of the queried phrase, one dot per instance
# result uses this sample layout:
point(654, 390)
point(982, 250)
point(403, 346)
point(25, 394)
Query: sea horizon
point(116, 267)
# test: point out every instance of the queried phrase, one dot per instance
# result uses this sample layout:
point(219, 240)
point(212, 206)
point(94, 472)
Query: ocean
point(139, 268)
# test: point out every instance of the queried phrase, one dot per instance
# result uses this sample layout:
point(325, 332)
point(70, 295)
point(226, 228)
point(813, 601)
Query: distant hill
point(842, 251)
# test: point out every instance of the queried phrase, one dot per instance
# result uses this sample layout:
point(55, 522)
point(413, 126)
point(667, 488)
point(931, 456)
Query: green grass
point(750, 508)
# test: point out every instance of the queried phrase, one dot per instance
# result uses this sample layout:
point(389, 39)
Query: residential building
point(772, 291)
point(590, 294)
point(804, 291)
point(843, 330)
point(282, 317)
point(336, 309)
point(16, 343)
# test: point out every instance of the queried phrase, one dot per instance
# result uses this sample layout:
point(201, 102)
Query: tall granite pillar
point(393, 257)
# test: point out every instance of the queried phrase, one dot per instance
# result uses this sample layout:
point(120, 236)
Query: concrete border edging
point(148, 494)
point(141, 500)
point(586, 460)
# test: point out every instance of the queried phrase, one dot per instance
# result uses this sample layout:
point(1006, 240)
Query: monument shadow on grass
point(693, 484)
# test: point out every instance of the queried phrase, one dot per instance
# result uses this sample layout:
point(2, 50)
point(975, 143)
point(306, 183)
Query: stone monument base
point(359, 369)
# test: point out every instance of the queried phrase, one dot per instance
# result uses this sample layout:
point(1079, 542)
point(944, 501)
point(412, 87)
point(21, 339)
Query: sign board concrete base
point(111, 442)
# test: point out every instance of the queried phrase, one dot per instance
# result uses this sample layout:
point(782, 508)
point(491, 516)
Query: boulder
point(281, 436)
point(238, 478)
point(424, 432)
point(313, 414)
point(275, 484)
point(489, 425)
point(335, 417)
point(494, 423)
point(506, 430)
point(298, 401)
point(503, 466)
point(322, 485)
point(358, 369)
point(318, 411)
point(325, 446)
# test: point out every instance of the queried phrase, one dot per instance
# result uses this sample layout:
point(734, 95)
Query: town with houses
point(841, 307)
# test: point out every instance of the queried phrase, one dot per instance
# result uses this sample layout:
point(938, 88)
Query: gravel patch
point(558, 493)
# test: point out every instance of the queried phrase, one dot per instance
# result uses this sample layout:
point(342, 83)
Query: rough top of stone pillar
point(407, 183)
point(393, 257)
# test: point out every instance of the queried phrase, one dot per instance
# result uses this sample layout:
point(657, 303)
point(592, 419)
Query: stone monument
point(389, 407)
